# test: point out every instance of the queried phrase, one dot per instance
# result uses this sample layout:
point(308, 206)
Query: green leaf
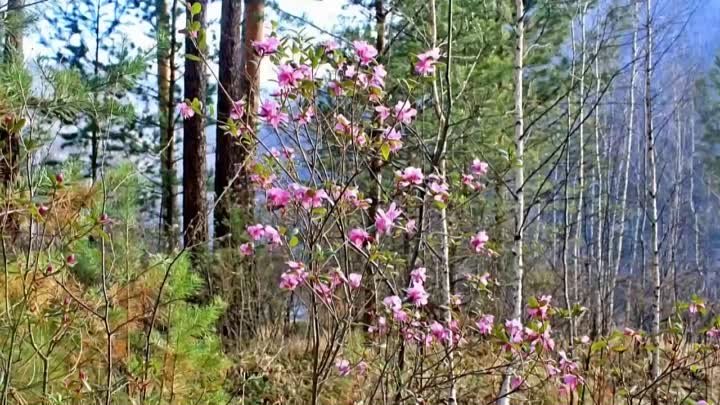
point(196, 9)
point(598, 346)
point(385, 151)
point(192, 57)
point(294, 241)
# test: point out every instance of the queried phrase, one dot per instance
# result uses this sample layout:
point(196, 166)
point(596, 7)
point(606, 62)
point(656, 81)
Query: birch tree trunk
point(579, 218)
point(439, 163)
point(517, 295)
point(626, 177)
point(691, 200)
point(598, 311)
point(652, 194)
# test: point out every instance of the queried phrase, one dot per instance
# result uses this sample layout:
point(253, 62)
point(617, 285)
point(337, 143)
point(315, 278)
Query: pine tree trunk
point(166, 112)
point(13, 47)
point(230, 153)
point(194, 166)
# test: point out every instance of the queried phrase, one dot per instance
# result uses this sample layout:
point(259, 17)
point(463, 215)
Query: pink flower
point(330, 45)
point(324, 292)
point(485, 324)
point(337, 278)
point(478, 167)
point(516, 383)
point(364, 51)
point(271, 113)
point(336, 88)
point(585, 339)
point(392, 303)
point(349, 71)
point(410, 176)
point(418, 275)
point(438, 332)
point(545, 339)
point(186, 111)
point(272, 235)
point(277, 197)
point(565, 363)
point(247, 249)
point(478, 241)
point(404, 112)
point(383, 113)
point(358, 237)
point(343, 367)
point(540, 310)
point(311, 198)
point(378, 76)
point(288, 76)
point(267, 46)
point(71, 260)
point(551, 370)
point(514, 329)
point(468, 179)
point(439, 189)
point(401, 316)
point(256, 232)
point(381, 327)
point(384, 221)
point(425, 65)
point(417, 295)
point(713, 333)
point(274, 152)
point(363, 80)
point(354, 280)
point(570, 383)
point(393, 139)
point(342, 124)
point(238, 110)
point(361, 368)
point(289, 153)
point(484, 279)
point(304, 72)
point(411, 227)
point(306, 116)
point(289, 281)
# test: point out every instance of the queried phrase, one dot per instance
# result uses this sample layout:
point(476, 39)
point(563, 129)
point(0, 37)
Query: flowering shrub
point(350, 260)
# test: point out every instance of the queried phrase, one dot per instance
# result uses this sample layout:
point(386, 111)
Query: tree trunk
point(652, 194)
point(580, 218)
point(166, 112)
point(691, 200)
point(194, 169)
point(376, 170)
point(13, 47)
point(519, 184)
point(626, 178)
point(230, 153)
point(599, 270)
